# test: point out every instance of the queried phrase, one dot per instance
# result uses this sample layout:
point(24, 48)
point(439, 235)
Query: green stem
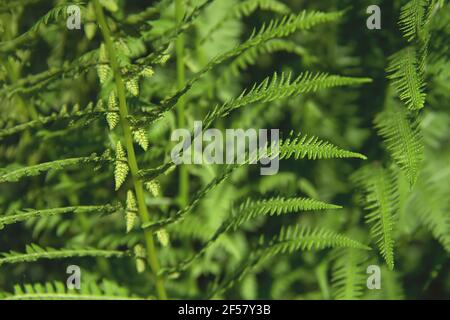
point(181, 79)
point(132, 162)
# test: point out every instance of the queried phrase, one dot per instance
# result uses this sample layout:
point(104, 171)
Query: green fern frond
point(313, 148)
point(250, 57)
point(412, 18)
point(274, 206)
point(247, 7)
point(282, 87)
point(430, 202)
point(294, 238)
point(405, 71)
point(179, 215)
point(106, 290)
point(16, 175)
point(349, 276)
point(56, 13)
point(290, 239)
point(275, 29)
point(403, 139)
point(23, 215)
point(34, 252)
point(381, 201)
point(89, 112)
point(244, 9)
point(249, 210)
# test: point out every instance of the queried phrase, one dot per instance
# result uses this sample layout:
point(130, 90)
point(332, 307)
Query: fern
point(15, 175)
point(313, 148)
point(33, 253)
point(274, 206)
point(106, 290)
point(381, 202)
point(295, 238)
point(412, 18)
point(403, 140)
point(349, 277)
point(407, 77)
point(290, 239)
point(277, 88)
point(249, 210)
point(23, 215)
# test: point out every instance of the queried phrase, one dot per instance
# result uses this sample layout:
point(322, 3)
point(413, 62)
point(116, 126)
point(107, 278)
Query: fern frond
point(23, 215)
point(275, 29)
point(405, 71)
point(432, 205)
point(403, 139)
point(244, 9)
point(16, 175)
point(274, 206)
point(247, 7)
point(294, 238)
point(282, 87)
point(381, 201)
point(106, 290)
point(179, 215)
point(412, 18)
point(302, 146)
point(349, 276)
point(34, 252)
point(60, 11)
point(89, 112)
point(290, 239)
point(250, 57)
point(251, 209)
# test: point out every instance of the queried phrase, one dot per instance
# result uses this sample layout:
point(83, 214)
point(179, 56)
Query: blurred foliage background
point(344, 116)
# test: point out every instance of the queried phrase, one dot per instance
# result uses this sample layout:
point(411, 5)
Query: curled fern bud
point(147, 72)
point(141, 138)
point(133, 86)
point(131, 210)
point(121, 166)
point(163, 237)
point(154, 188)
point(139, 254)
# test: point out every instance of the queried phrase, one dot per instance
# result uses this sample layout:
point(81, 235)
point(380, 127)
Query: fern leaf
point(121, 166)
point(412, 18)
point(290, 239)
point(313, 148)
point(275, 29)
point(282, 87)
point(88, 112)
point(106, 290)
point(24, 215)
point(250, 210)
point(16, 175)
point(274, 206)
point(407, 77)
point(250, 56)
point(381, 202)
point(349, 276)
point(294, 238)
point(403, 140)
point(33, 253)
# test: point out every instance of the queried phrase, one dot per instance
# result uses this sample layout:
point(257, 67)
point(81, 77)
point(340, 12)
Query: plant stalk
point(181, 79)
point(132, 162)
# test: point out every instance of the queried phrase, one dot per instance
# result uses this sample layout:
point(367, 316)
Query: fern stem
point(123, 111)
point(181, 79)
